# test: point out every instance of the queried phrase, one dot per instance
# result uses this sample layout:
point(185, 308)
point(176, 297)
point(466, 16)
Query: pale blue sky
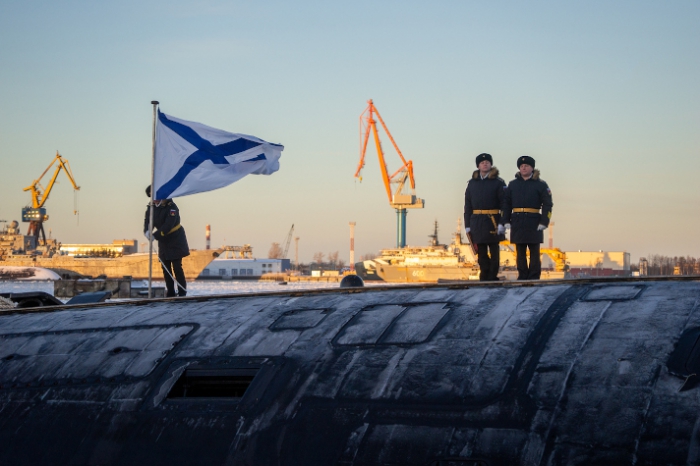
point(604, 95)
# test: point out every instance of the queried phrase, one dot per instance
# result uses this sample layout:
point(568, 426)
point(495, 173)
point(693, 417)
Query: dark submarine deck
point(541, 373)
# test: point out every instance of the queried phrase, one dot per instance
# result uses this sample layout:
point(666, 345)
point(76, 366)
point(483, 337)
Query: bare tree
point(341, 263)
point(318, 257)
point(368, 256)
point(333, 258)
point(665, 265)
point(275, 251)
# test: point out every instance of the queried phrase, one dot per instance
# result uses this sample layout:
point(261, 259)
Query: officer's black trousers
point(488, 265)
point(535, 269)
point(175, 268)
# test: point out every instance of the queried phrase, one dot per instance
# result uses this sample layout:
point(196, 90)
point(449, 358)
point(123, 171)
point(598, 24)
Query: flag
point(193, 158)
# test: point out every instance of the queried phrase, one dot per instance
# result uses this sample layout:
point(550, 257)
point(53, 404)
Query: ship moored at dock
point(17, 250)
point(440, 262)
point(424, 264)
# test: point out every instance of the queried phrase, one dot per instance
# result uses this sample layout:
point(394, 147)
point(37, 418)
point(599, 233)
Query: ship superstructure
point(424, 263)
point(20, 250)
point(456, 261)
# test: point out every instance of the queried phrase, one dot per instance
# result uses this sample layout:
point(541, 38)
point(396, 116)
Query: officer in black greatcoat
point(483, 203)
point(527, 210)
point(172, 242)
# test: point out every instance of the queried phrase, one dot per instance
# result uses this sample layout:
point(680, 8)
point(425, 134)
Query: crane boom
point(286, 245)
point(36, 214)
point(405, 172)
point(37, 200)
point(557, 255)
point(398, 200)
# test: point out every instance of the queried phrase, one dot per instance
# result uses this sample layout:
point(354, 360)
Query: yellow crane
point(36, 214)
point(557, 255)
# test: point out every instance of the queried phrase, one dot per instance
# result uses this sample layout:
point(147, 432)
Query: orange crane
point(398, 200)
point(36, 214)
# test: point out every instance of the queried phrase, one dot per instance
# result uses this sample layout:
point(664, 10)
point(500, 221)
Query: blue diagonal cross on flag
point(192, 158)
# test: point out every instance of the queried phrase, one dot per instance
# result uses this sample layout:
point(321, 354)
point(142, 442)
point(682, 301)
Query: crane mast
point(399, 200)
point(286, 244)
point(36, 214)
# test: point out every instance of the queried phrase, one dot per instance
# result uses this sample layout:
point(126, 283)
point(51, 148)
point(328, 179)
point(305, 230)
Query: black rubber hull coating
point(556, 373)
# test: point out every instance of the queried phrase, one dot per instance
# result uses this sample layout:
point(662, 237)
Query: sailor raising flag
point(189, 158)
point(193, 158)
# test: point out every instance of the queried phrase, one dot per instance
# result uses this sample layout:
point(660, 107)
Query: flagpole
point(153, 194)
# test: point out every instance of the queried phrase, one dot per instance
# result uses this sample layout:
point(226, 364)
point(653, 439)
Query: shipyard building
point(598, 263)
point(119, 247)
point(580, 264)
point(237, 262)
point(244, 268)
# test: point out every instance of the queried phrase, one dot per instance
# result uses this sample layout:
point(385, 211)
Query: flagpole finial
point(154, 102)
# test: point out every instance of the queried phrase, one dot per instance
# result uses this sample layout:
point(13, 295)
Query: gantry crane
point(36, 214)
point(398, 200)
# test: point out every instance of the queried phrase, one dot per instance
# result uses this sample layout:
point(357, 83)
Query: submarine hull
point(538, 373)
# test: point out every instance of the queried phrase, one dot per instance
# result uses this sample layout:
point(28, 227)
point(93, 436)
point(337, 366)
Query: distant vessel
point(440, 262)
point(425, 264)
point(22, 250)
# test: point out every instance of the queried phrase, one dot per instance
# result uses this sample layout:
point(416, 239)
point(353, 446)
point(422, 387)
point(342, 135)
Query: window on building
point(222, 272)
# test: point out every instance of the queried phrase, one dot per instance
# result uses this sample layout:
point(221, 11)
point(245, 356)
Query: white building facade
point(227, 269)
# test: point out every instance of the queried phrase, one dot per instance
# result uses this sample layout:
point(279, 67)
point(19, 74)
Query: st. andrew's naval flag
point(193, 158)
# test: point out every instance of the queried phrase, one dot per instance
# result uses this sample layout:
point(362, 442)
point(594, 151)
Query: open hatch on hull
point(207, 383)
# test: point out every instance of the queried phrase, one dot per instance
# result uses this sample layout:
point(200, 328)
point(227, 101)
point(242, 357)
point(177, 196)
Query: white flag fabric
point(193, 158)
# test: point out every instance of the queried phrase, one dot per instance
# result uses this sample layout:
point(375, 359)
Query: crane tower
point(352, 246)
point(399, 200)
point(287, 241)
point(36, 214)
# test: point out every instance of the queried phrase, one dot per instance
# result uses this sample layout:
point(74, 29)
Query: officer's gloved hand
point(501, 229)
point(540, 227)
point(468, 229)
point(148, 235)
point(507, 225)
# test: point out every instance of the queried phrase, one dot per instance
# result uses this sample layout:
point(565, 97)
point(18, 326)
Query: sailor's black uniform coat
point(484, 194)
point(532, 193)
point(172, 241)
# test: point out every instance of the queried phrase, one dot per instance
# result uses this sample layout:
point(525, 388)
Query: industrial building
point(598, 263)
point(119, 247)
point(237, 262)
point(580, 263)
